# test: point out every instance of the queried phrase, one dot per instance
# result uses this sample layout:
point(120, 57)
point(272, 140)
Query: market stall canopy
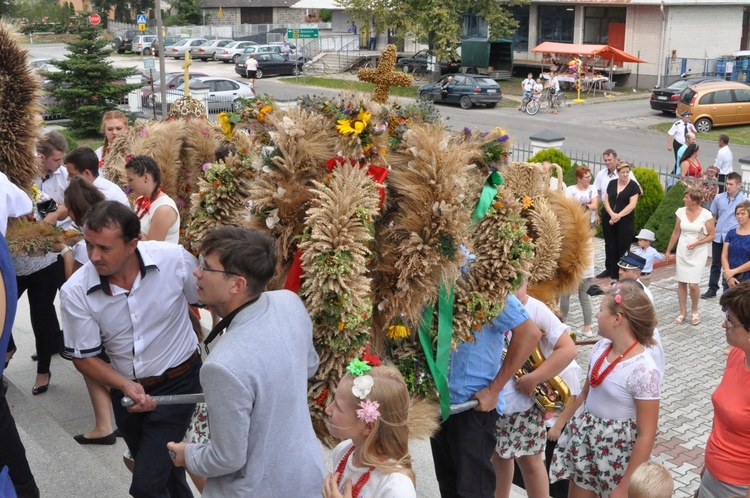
point(606, 52)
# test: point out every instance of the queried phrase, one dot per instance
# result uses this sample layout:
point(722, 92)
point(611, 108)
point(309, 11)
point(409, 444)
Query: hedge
point(653, 193)
point(554, 156)
point(663, 220)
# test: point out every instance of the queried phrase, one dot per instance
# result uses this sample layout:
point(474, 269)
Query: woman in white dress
point(160, 219)
point(694, 228)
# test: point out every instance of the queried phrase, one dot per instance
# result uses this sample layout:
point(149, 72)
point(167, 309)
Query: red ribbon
point(377, 173)
point(142, 206)
point(371, 359)
point(294, 277)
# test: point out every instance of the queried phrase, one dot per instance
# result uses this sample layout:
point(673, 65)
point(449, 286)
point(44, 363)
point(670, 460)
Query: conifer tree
point(87, 85)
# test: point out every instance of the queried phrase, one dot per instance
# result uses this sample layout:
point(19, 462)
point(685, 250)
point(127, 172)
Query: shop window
point(555, 23)
point(596, 23)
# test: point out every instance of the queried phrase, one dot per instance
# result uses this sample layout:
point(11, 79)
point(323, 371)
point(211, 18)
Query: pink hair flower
point(206, 166)
point(368, 412)
point(618, 298)
point(143, 132)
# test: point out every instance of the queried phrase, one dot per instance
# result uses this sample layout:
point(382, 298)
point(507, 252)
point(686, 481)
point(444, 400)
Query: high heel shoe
point(9, 356)
point(42, 389)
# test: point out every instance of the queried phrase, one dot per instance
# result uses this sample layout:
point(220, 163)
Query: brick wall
point(288, 16)
point(231, 17)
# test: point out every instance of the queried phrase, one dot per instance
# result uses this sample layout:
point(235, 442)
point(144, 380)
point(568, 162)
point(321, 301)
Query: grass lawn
point(738, 135)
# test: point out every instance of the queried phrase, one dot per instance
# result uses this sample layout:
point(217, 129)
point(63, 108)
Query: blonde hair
point(695, 194)
point(635, 307)
point(650, 480)
point(387, 446)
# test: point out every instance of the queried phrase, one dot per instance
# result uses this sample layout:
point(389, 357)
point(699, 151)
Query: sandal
point(679, 319)
point(696, 319)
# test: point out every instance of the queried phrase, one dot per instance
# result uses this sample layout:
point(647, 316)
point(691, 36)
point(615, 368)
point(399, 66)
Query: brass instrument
point(553, 395)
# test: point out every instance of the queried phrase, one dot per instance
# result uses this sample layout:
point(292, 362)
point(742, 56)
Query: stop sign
point(95, 19)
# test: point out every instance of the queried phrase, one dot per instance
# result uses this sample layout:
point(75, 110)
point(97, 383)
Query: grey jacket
point(255, 381)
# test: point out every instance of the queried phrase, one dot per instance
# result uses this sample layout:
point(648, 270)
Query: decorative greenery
point(85, 88)
point(653, 193)
point(663, 220)
point(554, 156)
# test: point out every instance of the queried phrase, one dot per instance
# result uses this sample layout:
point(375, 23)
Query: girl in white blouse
point(615, 430)
point(160, 219)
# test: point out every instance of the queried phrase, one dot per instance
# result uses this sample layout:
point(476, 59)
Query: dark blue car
point(463, 89)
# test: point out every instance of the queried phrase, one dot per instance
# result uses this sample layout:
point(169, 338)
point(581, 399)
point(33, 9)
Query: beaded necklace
point(360, 482)
point(596, 377)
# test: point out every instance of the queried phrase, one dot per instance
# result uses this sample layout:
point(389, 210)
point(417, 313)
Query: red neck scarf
point(143, 204)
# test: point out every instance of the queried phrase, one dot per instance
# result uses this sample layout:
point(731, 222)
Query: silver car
point(223, 93)
point(142, 44)
point(178, 49)
point(233, 51)
point(207, 51)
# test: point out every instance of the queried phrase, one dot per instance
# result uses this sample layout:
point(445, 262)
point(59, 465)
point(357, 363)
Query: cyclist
point(538, 88)
point(554, 88)
point(527, 86)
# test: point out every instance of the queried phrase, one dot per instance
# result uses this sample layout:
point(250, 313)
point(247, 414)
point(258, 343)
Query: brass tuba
point(551, 396)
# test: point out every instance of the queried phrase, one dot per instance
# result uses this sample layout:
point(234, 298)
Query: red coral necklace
point(360, 482)
point(596, 377)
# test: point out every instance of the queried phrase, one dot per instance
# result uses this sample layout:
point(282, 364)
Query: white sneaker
point(588, 334)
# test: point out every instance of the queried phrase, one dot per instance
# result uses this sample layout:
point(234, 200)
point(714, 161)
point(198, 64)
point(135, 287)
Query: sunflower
point(354, 126)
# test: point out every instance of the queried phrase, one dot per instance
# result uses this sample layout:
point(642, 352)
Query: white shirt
point(724, 160)
point(379, 485)
point(14, 202)
point(554, 84)
point(54, 185)
point(604, 177)
point(173, 234)
point(678, 130)
point(572, 376)
point(251, 64)
point(631, 379)
point(144, 331)
point(528, 84)
point(656, 352)
point(111, 191)
point(553, 329)
point(583, 197)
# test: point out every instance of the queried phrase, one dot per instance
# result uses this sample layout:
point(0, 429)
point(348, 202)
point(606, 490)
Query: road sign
point(149, 63)
point(141, 27)
point(140, 18)
point(302, 33)
point(95, 19)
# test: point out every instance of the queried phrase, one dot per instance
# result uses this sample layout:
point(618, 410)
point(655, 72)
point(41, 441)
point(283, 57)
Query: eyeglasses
point(729, 322)
point(202, 267)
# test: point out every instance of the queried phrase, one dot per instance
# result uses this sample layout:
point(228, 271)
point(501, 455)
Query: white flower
point(272, 219)
point(362, 386)
point(279, 193)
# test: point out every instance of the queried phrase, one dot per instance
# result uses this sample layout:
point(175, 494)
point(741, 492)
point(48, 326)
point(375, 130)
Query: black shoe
point(108, 440)
point(117, 433)
point(708, 294)
point(42, 389)
point(595, 290)
point(34, 357)
point(603, 274)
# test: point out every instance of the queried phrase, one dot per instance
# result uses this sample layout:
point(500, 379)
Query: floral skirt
point(197, 431)
point(593, 452)
point(521, 433)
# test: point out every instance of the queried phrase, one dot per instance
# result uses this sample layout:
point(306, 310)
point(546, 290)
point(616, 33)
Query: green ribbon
point(439, 364)
point(489, 191)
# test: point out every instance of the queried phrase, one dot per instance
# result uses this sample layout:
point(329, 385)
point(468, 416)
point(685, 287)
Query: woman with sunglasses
point(727, 459)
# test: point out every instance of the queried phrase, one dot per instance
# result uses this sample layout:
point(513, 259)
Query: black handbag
point(46, 207)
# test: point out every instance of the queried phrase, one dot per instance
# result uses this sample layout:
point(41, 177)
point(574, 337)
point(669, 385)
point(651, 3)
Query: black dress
point(618, 237)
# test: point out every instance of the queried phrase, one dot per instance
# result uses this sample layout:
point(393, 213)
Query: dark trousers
point(675, 148)
point(617, 240)
point(13, 454)
point(722, 179)
point(147, 435)
point(42, 287)
point(461, 452)
point(372, 43)
point(715, 275)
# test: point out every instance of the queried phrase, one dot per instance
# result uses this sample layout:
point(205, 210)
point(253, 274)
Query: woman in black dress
point(618, 218)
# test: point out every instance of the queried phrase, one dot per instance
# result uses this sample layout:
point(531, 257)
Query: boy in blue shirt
point(645, 238)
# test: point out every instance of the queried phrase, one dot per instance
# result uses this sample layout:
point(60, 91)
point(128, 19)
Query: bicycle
point(314, 68)
point(545, 101)
point(361, 63)
point(419, 73)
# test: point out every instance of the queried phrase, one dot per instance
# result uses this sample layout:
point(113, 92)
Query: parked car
point(466, 90)
point(419, 61)
point(223, 93)
point(269, 64)
point(142, 44)
point(293, 52)
point(233, 51)
point(123, 40)
point(168, 40)
point(207, 51)
point(716, 103)
point(665, 99)
point(178, 49)
point(173, 80)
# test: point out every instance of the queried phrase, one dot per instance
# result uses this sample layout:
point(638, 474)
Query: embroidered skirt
point(593, 452)
point(521, 433)
point(197, 431)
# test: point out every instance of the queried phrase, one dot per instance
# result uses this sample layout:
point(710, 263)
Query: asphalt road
point(589, 128)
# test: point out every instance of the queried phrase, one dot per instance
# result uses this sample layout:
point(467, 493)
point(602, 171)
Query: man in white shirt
point(724, 160)
point(286, 50)
point(527, 86)
point(14, 202)
point(110, 304)
point(84, 162)
point(678, 132)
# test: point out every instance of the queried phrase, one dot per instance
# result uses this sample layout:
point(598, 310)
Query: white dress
point(173, 235)
point(691, 262)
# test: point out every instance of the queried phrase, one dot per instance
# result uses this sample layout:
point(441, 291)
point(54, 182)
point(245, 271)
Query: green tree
point(125, 10)
point(188, 12)
point(439, 22)
point(85, 88)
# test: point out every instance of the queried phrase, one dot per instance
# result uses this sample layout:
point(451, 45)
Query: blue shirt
point(723, 209)
point(649, 254)
point(11, 296)
point(474, 365)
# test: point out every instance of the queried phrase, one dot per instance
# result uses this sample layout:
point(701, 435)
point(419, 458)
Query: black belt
point(171, 373)
point(645, 273)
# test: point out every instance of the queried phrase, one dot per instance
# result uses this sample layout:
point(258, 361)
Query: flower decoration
point(358, 367)
point(143, 132)
point(225, 124)
point(128, 157)
point(34, 192)
point(354, 126)
point(398, 332)
point(368, 412)
point(526, 202)
point(362, 386)
point(371, 359)
point(272, 219)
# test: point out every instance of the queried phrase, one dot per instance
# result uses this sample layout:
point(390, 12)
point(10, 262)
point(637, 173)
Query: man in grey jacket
point(254, 378)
